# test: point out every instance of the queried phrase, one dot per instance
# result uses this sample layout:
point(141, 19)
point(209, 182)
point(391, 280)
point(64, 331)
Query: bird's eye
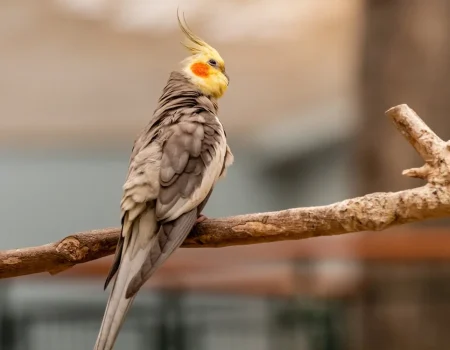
point(212, 62)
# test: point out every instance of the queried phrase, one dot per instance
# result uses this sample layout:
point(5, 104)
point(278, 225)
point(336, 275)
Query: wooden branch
point(376, 211)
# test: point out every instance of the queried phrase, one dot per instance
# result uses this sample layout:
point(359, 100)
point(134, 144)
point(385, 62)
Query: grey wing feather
point(192, 160)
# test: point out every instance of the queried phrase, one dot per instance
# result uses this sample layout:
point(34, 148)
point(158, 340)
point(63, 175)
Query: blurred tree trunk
point(406, 59)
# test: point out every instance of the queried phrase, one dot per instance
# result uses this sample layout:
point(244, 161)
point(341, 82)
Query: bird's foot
point(201, 218)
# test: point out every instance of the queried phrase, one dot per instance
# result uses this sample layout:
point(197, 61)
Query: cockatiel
point(174, 165)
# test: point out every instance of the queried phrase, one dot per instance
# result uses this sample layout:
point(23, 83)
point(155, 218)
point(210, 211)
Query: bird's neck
point(181, 91)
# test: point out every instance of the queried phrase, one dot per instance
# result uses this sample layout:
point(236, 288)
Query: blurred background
point(310, 81)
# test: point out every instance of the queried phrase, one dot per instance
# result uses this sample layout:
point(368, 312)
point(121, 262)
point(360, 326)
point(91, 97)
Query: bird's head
point(205, 67)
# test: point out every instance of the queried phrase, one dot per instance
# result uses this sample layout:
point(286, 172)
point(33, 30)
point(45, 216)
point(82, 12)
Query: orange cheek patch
point(200, 69)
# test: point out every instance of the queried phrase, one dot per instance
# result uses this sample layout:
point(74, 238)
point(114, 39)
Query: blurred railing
point(171, 324)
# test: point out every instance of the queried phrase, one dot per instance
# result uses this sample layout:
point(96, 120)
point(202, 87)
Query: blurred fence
point(172, 322)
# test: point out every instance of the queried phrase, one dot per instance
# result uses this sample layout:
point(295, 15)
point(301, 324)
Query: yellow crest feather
point(195, 45)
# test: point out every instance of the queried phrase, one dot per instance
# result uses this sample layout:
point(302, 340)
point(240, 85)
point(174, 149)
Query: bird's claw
point(201, 218)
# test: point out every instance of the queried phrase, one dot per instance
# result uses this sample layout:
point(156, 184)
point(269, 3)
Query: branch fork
point(434, 151)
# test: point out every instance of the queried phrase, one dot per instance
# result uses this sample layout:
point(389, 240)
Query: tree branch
point(376, 211)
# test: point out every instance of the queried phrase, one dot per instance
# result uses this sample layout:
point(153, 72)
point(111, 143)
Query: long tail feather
point(143, 252)
point(136, 248)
